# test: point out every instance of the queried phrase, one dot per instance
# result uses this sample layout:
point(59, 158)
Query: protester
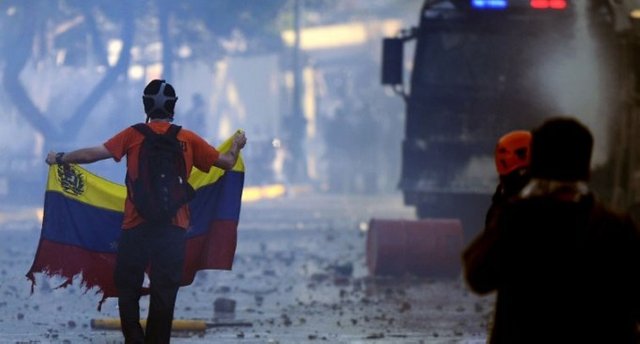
point(155, 243)
point(512, 156)
point(565, 267)
point(195, 116)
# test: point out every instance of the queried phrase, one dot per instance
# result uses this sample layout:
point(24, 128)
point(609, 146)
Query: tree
point(201, 25)
point(20, 49)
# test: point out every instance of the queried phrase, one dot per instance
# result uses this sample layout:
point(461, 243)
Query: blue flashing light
point(489, 4)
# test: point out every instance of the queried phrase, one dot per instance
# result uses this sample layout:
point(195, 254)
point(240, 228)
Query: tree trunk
point(16, 59)
point(73, 125)
point(22, 51)
point(164, 10)
point(96, 41)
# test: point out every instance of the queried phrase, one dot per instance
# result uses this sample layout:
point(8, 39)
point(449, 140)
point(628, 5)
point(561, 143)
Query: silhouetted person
point(565, 267)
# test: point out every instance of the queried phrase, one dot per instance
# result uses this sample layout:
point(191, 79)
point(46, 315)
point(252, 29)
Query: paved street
point(299, 277)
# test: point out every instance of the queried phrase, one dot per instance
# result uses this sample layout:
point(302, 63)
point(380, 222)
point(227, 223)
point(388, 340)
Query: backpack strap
point(173, 130)
point(144, 130)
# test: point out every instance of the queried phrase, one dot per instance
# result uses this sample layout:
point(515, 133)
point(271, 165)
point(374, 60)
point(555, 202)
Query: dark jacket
point(566, 269)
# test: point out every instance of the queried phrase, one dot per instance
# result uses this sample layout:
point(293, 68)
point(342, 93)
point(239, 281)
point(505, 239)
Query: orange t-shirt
point(197, 153)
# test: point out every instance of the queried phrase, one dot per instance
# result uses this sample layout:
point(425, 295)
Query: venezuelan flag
point(83, 215)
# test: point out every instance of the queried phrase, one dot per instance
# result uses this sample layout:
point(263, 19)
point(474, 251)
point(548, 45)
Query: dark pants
point(162, 248)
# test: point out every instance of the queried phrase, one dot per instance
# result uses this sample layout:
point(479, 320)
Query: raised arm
point(80, 156)
point(228, 159)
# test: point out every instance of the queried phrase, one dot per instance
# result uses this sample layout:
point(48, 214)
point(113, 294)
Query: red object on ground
point(426, 248)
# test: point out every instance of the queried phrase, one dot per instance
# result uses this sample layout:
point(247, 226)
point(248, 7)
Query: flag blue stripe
point(71, 222)
point(218, 201)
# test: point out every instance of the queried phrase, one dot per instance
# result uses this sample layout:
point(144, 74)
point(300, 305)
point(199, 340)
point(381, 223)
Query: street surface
point(299, 277)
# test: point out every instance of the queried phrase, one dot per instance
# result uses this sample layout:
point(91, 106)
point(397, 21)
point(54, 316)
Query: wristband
point(59, 158)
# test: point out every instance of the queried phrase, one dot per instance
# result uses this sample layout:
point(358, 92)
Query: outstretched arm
point(80, 156)
point(228, 159)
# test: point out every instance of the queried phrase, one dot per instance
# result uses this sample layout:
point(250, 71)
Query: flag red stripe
point(68, 261)
point(213, 250)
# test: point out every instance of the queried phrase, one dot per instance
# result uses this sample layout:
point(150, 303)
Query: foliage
point(72, 32)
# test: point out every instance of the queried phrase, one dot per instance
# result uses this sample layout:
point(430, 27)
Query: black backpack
point(161, 187)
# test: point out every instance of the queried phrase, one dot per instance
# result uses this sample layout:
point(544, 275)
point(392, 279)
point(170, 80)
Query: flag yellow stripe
point(199, 179)
point(80, 184)
point(88, 188)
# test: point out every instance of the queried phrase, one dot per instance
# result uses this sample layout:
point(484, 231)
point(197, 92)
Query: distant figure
point(157, 242)
point(338, 132)
point(195, 116)
point(566, 268)
point(634, 208)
